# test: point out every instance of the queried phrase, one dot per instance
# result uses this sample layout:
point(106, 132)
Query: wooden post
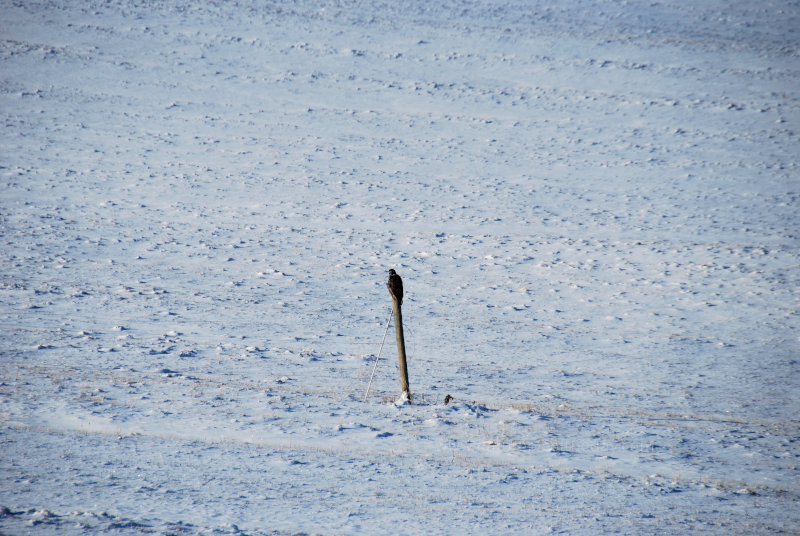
point(401, 346)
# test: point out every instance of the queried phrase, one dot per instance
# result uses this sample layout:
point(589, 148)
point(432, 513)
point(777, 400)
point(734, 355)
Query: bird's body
point(395, 285)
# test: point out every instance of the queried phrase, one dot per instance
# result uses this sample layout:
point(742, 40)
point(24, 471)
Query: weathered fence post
point(395, 286)
point(401, 346)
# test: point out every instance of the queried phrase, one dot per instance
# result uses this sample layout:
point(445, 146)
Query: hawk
point(395, 285)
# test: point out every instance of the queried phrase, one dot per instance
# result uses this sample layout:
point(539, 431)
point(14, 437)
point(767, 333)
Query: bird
point(395, 285)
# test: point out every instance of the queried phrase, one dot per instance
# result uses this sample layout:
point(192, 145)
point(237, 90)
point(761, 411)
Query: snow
point(593, 206)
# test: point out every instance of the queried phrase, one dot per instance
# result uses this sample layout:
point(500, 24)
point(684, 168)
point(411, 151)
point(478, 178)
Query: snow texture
point(593, 205)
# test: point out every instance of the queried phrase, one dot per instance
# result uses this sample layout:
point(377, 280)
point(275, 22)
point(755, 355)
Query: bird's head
point(392, 272)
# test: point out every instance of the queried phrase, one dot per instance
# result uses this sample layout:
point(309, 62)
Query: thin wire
point(366, 394)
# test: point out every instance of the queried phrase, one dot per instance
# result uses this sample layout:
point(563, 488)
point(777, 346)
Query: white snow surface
point(593, 205)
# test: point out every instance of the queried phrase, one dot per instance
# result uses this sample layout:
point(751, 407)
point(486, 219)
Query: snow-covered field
point(594, 207)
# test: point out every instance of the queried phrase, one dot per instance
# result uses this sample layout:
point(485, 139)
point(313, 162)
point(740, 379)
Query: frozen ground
point(594, 208)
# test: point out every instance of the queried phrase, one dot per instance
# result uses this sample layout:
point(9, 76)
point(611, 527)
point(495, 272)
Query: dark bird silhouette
point(395, 285)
